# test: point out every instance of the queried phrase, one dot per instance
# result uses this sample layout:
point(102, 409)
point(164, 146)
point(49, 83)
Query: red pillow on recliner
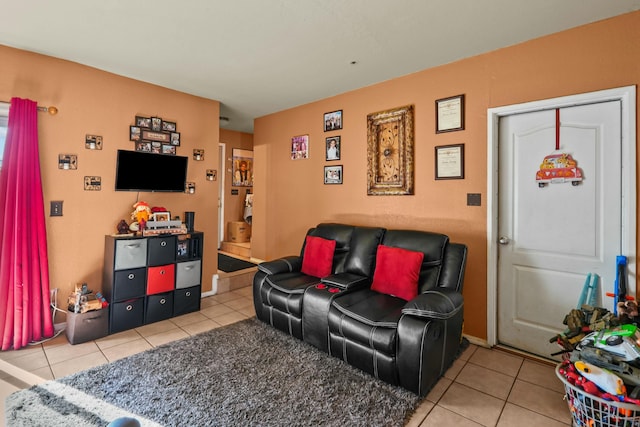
point(397, 272)
point(318, 256)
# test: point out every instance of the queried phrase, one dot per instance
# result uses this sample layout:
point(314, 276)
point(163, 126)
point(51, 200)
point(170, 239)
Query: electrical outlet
point(56, 208)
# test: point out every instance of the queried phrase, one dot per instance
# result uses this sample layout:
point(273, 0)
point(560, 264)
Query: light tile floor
point(484, 387)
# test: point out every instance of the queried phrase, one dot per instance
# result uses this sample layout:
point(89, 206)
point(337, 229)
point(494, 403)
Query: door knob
point(503, 240)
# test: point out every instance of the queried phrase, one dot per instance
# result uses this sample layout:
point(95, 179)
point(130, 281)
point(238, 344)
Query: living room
point(290, 195)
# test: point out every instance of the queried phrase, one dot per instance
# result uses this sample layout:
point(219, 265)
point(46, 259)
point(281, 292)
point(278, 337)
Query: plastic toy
point(620, 341)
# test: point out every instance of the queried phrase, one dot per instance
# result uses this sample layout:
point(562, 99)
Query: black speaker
point(189, 218)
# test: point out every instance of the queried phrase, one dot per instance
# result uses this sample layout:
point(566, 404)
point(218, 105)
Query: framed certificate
point(450, 114)
point(450, 161)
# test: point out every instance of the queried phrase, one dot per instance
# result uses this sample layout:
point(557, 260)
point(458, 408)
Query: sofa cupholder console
point(388, 302)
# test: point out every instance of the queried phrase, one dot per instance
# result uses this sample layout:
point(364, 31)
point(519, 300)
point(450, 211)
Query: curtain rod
point(51, 110)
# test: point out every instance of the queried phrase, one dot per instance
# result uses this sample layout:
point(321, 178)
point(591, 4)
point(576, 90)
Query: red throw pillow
point(397, 272)
point(318, 256)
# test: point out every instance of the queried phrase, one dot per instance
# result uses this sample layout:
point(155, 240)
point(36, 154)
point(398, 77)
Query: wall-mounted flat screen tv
point(142, 171)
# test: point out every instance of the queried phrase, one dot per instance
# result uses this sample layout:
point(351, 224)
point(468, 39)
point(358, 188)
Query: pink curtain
point(25, 313)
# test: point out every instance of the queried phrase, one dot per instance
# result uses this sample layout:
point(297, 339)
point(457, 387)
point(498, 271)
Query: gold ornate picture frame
point(390, 151)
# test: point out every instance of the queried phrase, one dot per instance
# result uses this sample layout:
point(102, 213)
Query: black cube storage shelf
point(137, 297)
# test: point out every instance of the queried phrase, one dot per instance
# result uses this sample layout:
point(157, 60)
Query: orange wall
point(233, 204)
point(99, 103)
point(290, 195)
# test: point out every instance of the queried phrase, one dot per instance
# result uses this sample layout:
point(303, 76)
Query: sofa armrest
point(429, 334)
point(281, 265)
point(441, 303)
point(346, 281)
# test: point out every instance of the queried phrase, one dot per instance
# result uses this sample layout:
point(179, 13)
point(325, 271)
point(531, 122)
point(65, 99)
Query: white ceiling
point(262, 56)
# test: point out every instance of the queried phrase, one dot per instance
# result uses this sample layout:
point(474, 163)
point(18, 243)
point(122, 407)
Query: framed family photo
point(333, 174)
point(300, 147)
point(242, 172)
point(333, 120)
point(168, 126)
point(161, 216)
point(333, 148)
point(143, 122)
point(134, 133)
point(156, 124)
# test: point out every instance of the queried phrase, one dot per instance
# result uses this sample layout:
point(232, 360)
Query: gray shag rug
point(244, 374)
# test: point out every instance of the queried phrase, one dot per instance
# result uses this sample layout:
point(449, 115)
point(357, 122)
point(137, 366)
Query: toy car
point(620, 342)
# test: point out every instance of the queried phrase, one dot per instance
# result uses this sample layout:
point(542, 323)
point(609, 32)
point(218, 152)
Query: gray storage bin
point(131, 253)
point(83, 327)
point(188, 274)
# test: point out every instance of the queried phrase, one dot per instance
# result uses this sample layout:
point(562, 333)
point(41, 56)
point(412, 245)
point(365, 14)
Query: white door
point(550, 237)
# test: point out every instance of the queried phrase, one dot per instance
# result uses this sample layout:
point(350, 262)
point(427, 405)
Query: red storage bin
point(161, 279)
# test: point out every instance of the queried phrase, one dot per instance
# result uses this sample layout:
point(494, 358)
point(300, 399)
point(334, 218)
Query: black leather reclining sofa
point(406, 341)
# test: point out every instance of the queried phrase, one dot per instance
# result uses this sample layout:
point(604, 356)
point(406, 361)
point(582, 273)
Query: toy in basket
point(591, 406)
point(601, 367)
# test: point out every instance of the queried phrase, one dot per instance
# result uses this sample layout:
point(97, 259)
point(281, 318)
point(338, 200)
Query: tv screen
point(141, 171)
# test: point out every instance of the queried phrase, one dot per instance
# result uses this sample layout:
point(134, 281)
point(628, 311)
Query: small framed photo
point(300, 147)
point(182, 248)
point(156, 124)
point(175, 138)
point(134, 133)
point(333, 120)
point(168, 149)
point(143, 146)
point(156, 147)
point(333, 174)
point(161, 216)
point(168, 126)
point(450, 114)
point(333, 148)
point(143, 122)
point(198, 154)
point(450, 161)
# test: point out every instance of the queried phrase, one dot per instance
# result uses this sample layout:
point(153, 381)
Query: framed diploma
point(450, 114)
point(450, 161)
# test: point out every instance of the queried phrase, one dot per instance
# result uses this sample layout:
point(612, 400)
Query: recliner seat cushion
point(367, 317)
point(286, 292)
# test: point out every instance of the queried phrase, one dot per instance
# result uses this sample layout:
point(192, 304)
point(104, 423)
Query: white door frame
point(627, 97)
point(222, 150)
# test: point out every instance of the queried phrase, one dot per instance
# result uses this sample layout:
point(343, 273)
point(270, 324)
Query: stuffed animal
point(141, 214)
point(628, 312)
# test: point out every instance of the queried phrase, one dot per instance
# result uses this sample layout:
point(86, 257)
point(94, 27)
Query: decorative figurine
point(123, 227)
point(141, 214)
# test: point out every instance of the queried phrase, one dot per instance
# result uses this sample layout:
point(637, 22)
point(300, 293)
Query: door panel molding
point(627, 97)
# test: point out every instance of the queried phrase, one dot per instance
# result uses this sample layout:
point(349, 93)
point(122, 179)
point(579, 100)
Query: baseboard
point(477, 341)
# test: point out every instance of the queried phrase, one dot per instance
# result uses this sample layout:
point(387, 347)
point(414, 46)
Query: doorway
point(544, 240)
